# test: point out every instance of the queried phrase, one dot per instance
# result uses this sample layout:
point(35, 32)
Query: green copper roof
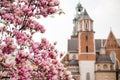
point(79, 7)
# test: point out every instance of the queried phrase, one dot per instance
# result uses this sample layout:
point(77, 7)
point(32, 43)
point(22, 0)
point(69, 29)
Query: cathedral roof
point(73, 44)
point(103, 58)
point(118, 41)
point(112, 39)
point(98, 43)
point(85, 15)
point(73, 62)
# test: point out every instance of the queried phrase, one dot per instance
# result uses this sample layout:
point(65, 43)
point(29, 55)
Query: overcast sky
point(105, 13)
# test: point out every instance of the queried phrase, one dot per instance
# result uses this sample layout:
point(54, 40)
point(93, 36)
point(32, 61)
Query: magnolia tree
point(21, 58)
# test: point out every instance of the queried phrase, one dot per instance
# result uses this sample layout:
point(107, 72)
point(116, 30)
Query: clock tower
point(86, 47)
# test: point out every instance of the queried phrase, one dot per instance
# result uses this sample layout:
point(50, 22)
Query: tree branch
point(25, 18)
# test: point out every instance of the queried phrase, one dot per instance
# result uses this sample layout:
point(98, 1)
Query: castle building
point(89, 58)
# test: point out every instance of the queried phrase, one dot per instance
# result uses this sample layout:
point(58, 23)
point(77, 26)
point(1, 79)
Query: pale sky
point(105, 13)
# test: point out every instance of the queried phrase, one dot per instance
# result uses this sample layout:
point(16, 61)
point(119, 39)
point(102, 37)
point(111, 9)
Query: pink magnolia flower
point(8, 40)
point(51, 10)
point(43, 2)
point(56, 3)
point(32, 60)
point(44, 12)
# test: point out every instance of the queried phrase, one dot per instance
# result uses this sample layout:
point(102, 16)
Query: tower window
point(86, 25)
point(86, 48)
point(86, 37)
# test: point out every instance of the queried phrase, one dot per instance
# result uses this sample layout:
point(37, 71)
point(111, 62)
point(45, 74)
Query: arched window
point(111, 67)
point(86, 26)
point(104, 66)
point(113, 56)
point(86, 48)
point(74, 57)
point(98, 67)
point(87, 76)
point(86, 37)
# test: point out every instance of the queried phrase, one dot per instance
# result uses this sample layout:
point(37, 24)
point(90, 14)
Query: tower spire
point(78, 14)
point(110, 29)
point(85, 12)
point(79, 8)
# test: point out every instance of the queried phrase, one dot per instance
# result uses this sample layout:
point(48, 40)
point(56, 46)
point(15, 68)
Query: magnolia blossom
point(21, 58)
